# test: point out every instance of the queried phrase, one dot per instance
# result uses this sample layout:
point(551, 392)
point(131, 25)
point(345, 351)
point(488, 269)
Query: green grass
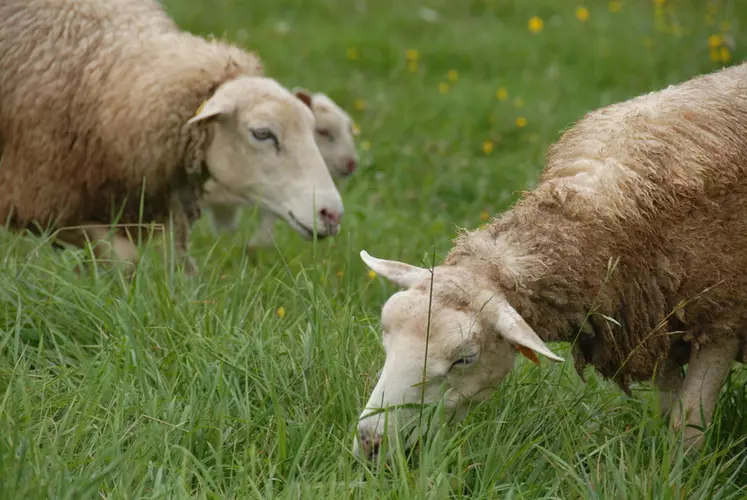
point(171, 388)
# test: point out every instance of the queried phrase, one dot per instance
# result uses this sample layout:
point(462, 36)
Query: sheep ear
point(304, 95)
point(398, 273)
point(512, 327)
point(216, 107)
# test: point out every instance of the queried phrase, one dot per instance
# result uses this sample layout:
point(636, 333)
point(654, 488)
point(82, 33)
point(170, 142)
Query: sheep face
point(447, 336)
point(263, 151)
point(334, 133)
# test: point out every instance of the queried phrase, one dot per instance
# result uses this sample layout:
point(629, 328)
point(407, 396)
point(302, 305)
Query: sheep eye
point(324, 133)
point(465, 361)
point(264, 134)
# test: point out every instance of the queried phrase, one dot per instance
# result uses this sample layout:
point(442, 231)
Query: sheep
point(631, 247)
point(334, 137)
point(106, 104)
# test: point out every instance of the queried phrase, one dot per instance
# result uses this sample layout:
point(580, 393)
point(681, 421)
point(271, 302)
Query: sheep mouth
point(305, 230)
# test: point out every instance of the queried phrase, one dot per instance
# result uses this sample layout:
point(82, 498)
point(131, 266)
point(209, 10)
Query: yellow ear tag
point(528, 353)
point(199, 109)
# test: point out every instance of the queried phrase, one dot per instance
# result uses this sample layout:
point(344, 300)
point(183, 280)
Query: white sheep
point(108, 111)
point(334, 135)
point(633, 247)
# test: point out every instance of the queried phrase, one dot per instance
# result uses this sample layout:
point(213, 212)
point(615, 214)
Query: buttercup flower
point(535, 24)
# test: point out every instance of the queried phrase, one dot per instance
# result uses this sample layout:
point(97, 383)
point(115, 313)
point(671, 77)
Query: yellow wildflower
point(371, 274)
point(714, 54)
point(715, 41)
point(615, 5)
point(501, 94)
point(412, 66)
point(725, 54)
point(360, 104)
point(412, 55)
point(443, 87)
point(487, 147)
point(660, 2)
point(452, 75)
point(365, 145)
point(352, 53)
point(521, 122)
point(484, 215)
point(535, 24)
point(582, 14)
point(519, 102)
point(280, 312)
point(356, 129)
point(339, 274)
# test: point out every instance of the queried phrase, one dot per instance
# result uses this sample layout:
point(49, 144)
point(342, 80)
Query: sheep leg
point(107, 245)
point(668, 380)
point(184, 208)
point(264, 237)
point(223, 217)
point(706, 372)
point(181, 232)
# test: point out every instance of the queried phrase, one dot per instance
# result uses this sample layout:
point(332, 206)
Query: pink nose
point(370, 445)
point(330, 216)
point(351, 165)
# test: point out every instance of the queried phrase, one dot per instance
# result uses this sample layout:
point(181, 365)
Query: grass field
point(247, 381)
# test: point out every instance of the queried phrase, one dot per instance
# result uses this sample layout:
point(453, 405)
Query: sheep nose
point(330, 217)
point(370, 444)
point(352, 165)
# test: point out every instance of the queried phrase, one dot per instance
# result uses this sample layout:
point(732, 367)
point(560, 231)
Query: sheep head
point(334, 132)
point(449, 335)
point(263, 151)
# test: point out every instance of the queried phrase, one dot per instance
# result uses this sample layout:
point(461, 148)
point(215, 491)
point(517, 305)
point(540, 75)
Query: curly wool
point(93, 104)
point(634, 244)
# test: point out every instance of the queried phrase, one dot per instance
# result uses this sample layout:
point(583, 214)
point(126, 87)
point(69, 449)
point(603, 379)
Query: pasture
point(247, 381)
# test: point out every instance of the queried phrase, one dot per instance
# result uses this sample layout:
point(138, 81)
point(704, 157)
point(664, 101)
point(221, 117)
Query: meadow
point(247, 381)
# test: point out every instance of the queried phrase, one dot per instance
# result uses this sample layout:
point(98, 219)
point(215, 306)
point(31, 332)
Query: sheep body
point(632, 247)
point(114, 114)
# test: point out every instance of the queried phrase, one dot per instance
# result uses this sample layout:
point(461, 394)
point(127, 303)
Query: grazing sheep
point(106, 110)
point(639, 222)
point(334, 136)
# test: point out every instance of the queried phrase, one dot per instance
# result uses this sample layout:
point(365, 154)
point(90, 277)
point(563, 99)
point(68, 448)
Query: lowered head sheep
point(334, 137)
point(136, 119)
point(633, 247)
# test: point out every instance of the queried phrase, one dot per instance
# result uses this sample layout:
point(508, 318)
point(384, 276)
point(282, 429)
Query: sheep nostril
point(352, 165)
point(329, 216)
